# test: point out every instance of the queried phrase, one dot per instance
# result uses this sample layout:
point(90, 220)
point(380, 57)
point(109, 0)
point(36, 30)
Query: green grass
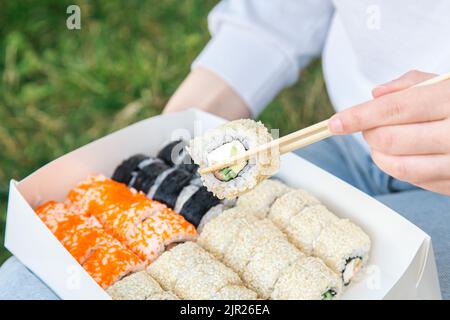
point(60, 88)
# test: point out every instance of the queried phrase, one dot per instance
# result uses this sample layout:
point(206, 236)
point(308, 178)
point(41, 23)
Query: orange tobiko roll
point(82, 243)
point(123, 221)
point(53, 213)
point(111, 263)
point(170, 225)
point(99, 194)
point(149, 238)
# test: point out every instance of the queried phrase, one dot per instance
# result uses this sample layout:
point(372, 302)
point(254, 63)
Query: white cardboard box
point(401, 266)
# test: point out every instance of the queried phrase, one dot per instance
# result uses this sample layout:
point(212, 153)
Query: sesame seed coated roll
point(307, 279)
point(261, 198)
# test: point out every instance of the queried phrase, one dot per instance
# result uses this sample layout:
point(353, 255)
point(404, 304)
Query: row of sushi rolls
point(157, 229)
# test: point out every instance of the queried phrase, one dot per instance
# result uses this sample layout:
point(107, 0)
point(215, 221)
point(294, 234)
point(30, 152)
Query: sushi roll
point(307, 279)
point(235, 292)
point(344, 247)
point(193, 202)
point(229, 140)
point(268, 261)
point(145, 176)
point(124, 220)
point(98, 194)
point(174, 153)
point(192, 273)
point(165, 295)
point(123, 172)
point(310, 226)
point(171, 226)
point(53, 214)
point(288, 205)
point(149, 238)
point(79, 234)
point(184, 196)
point(306, 226)
point(109, 264)
point(137, 286)
point(168, 186)
point(222, 231)
point(254, 234)
point(261, 198)
point(83, 240)
point(259, 254)
point(262, 256)
point(209, 215)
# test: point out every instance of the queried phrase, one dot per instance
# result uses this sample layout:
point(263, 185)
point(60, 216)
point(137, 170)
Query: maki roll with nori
point(149, 170)
point(193, 202)
point(123, 172)
point(168, 185)
point(226, 141)
point(173, 153)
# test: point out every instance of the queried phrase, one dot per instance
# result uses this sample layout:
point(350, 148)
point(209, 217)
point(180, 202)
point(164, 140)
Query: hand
point(408, 130)
point(204, 90)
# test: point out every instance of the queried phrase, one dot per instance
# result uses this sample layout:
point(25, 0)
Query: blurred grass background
point(60, 88)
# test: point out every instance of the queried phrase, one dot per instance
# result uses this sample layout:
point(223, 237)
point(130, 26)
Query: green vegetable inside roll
point(329, 294)
point(223, 153)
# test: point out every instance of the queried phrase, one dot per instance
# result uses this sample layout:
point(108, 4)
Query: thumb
point(405, 81)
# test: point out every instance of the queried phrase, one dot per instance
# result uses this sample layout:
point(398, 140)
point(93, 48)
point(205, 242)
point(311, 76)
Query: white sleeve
point(260, 46)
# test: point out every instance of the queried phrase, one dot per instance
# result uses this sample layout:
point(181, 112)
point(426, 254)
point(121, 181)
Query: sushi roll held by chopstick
point(229, 140)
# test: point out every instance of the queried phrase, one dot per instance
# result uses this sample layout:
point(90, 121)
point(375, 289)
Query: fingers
point(439, 186)
point(414, 169)
point(420, 104)
point(411, 139)
point(407, 80)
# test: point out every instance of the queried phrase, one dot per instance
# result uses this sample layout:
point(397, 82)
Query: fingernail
point(335, 125)
point(380, 87)
point(378, 91)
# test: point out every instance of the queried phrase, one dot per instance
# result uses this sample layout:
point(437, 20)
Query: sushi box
point(401, 266)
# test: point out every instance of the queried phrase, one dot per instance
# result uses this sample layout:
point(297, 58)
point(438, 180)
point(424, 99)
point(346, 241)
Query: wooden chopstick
point(297, 139)
point(434, 80)
point(274, 146)
point(316, 136)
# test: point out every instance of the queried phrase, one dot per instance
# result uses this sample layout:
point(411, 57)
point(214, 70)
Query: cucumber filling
point(329, 294)
point(223, 153)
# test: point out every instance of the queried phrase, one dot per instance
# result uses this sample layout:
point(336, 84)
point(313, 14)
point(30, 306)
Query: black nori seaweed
point(191, 167)
point(171, 186)
point(124, 170)
point(147, 175)
point(165, 153)
point(197, 205)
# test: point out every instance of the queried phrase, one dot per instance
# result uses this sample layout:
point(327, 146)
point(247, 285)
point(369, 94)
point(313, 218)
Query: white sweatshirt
point(260, 46)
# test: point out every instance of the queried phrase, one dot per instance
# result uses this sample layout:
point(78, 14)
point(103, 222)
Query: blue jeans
point(343, 157)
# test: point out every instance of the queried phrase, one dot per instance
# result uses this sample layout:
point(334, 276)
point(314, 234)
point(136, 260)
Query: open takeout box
point(401, 265)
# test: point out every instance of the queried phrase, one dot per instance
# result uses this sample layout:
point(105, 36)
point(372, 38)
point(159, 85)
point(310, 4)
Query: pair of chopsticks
point(297, 139)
